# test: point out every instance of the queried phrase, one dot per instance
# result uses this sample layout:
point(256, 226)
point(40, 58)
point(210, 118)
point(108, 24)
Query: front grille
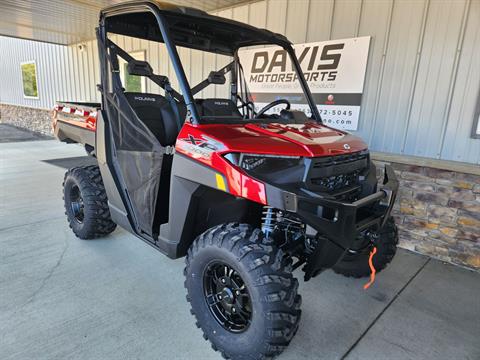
point(339, 159)
point(336, 182)
point(337, 175)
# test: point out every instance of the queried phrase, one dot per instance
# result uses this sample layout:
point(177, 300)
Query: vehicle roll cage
point(160, 10)
point(160, 80)
point(143, 68)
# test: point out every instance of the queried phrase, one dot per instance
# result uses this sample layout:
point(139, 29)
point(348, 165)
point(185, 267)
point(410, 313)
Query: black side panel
point(163, 198)
point(183, 206)
point(198, 206)
point(103, 148)
point(70, 133)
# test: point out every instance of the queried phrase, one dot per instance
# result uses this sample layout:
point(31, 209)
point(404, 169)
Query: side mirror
point(216, 78)
point(293, 116)
point(139, 68)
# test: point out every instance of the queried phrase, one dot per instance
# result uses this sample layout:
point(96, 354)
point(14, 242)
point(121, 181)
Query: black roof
point(189, 27)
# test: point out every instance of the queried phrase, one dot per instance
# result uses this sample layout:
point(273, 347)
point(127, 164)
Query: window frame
point(476, 119)
point(34, 62)
point(143, 80)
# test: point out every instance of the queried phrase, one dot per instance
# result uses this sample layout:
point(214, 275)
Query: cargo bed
point(75, 122)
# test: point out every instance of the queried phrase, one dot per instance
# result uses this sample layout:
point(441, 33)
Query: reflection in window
point(132, 83)
point(29, 79)
point(476, 120)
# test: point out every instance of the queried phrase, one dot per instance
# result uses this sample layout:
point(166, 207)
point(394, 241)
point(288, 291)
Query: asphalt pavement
point(11, 133)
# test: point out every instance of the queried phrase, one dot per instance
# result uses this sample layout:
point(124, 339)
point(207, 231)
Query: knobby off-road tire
point(86, 204)
point(266, 275)
point(356, 265)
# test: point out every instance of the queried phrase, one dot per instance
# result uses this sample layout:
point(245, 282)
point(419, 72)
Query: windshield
point(268, 75)
point(258, 83)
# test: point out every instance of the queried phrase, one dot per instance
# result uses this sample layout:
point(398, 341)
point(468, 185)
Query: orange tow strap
point(372, 269)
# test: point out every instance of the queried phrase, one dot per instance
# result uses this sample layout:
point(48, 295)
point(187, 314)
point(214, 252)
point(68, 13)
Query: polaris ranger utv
point(247, 194)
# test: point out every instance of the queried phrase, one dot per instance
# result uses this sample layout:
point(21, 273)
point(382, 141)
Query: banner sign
point(334, 70)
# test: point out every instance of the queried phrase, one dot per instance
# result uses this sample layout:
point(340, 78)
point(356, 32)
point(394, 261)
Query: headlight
point(252, 162)
point(274, 162)
point(277, 168)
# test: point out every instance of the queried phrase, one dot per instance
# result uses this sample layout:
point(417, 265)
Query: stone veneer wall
point(37, 120)
point(438, 213)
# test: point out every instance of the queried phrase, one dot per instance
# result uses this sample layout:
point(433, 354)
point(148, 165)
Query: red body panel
point(207, 144)
point(75, 115)
point(309, 140)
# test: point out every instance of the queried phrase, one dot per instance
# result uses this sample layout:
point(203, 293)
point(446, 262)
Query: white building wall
point(422, 81)
point(63, 72)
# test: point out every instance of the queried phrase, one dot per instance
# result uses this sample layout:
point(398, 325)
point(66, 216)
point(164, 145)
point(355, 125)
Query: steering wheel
point(273, 104)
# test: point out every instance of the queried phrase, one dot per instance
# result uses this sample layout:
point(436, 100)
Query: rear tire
point(86, 204)
point(356, 265)
point(268, 300)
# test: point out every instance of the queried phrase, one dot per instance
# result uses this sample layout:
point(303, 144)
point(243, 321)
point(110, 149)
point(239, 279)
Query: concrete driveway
point(117, 298)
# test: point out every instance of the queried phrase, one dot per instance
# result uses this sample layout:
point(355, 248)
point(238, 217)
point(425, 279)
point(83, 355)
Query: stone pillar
point(438, 213)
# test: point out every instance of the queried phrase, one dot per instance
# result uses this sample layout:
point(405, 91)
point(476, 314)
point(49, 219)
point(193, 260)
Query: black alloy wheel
point(227, 297)
point(242, 292)
point(86, 203)
point(77, 204)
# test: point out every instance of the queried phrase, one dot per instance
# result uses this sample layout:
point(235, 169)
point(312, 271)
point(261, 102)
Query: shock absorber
point(268, 220)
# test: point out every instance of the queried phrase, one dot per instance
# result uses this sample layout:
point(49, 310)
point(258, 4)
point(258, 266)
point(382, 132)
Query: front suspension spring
point(268, 220)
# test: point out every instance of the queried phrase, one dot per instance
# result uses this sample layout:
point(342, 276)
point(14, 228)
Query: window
point(476, 120)
point(132, 83)
point(29, 79)
point(477, 132)
point(198, 64)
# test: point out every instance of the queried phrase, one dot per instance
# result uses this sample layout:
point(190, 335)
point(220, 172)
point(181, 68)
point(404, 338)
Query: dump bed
point(75, 122)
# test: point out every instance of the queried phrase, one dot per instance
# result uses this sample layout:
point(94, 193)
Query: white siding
point(423, 74)
point(63, 73)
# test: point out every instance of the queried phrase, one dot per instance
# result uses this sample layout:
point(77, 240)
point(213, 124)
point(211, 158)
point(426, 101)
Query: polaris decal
point(144, 98)
point(334, 70)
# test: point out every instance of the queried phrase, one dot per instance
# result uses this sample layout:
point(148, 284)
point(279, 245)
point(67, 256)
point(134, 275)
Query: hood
point(308, 140)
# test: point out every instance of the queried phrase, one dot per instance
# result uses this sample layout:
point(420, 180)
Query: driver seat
point(157, 114)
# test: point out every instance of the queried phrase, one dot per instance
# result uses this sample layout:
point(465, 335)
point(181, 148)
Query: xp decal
point(199, 147)
point(191, 139)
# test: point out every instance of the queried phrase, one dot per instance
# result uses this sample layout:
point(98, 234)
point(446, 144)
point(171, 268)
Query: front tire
point(356, 265)
point(242, 292)
point(86, 204)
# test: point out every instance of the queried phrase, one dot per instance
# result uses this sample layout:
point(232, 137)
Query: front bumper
point(338, 222)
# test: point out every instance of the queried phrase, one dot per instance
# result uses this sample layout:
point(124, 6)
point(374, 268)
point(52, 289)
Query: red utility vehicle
point(246, 194)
